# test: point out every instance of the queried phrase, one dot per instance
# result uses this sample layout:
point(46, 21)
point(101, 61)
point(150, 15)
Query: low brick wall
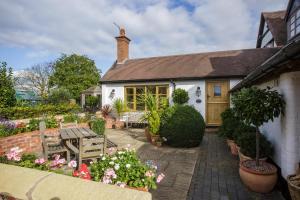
point(29, 142)
point(24, 183)
point(112, 123)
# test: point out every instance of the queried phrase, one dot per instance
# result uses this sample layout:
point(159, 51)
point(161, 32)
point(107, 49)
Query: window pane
point(151, 89)
point(293, 19)
point(130, 106)
point(298, 29)
point(162, 99)
point(298, 13)
point(292, 33)
point(140, 103)
point(217, 90)
point(129, 91)
point(162, 90)
point(129, 98)
point(292, 26)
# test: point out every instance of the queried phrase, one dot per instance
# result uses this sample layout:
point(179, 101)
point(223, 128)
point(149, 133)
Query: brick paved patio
point(216, 175)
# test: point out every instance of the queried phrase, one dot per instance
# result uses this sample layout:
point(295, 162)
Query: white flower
point(120, 152)
point(114, 158)
point(127, 165)
point(103, 158)
point(101, 154)
point(117, 166)
point(111, 163)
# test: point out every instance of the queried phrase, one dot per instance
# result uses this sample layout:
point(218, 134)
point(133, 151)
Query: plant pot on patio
point(294, 186)
point(261, 179)
point(233, 147)
point(243, 157)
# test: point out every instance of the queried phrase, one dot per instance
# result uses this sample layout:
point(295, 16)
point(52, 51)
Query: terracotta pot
point(148, 135)
point(243, 157)
point(234, 149)
point(143, 189)
point(293, 188)
point(258, 180)
point(229, 142)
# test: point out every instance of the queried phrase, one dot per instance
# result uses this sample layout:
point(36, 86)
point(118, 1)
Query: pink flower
point(40, 161)
point(121, 184)
point(14, 154)
point(149, 173)
point(110, 172)
point(106, 180)
point(57, 162)
point(160, 178)
point(72, 164)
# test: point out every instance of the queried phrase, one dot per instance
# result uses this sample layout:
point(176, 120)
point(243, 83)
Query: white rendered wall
point(189, 86)
point(284, 131)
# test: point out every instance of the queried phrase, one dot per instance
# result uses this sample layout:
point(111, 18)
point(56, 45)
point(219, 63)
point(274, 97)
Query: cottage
point(206, 76)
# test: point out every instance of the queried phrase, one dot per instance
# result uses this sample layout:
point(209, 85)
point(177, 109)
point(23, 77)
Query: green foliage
point(7, 91)
point(240, 129)
point(229, 124)
point(33, 125)
point(119, 106)
point(59, 96)
point(247, 144)
point(75, 73)
point(37, 111)
point(98, 126)
point(72, 117)
point(134, 175)
point(257, 106)
point(183, 126)
point(51, 122)
point(180, 96)
point(92, 101)
point(152, 115)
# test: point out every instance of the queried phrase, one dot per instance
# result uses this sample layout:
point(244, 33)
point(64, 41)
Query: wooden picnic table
point(69, 134)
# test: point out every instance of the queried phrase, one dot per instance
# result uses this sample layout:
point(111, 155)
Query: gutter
point(287, 52)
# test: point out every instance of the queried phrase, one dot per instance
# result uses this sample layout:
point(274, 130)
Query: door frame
point(206, 99)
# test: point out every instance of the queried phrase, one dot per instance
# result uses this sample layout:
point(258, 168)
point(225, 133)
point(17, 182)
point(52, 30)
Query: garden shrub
point(229, 123)
point(71, 118)
point(92, 101)
point(98, 126)
point(37, 111)
point(240, 130)
point(59, 96)
point(247, 143)
point(183, 126)
point(180, 96)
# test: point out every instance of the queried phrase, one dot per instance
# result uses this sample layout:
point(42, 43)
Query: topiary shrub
point(229, 123)
point(183, 126)
point(247, 143)
point(180, 96)
point(240, 130)
point(98, 126)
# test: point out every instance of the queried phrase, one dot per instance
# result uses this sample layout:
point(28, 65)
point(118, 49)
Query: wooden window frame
point(157, 95)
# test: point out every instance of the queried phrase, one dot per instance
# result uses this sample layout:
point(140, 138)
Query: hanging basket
point(293, 188)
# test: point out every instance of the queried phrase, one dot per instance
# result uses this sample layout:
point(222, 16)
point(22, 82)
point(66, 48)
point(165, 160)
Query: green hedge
point(23, 112)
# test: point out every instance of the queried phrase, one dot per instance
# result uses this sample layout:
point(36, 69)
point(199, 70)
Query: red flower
point(83, 172)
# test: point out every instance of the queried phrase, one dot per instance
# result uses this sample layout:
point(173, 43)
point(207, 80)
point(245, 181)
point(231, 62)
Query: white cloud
point(155, 27)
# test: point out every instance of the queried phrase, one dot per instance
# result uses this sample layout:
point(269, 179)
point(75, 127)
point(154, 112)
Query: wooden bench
point(91, 148)
point(52, 144)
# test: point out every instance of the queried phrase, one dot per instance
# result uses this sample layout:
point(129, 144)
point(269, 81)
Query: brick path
point(216, 175)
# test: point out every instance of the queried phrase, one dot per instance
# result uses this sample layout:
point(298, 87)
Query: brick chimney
point(122, 47)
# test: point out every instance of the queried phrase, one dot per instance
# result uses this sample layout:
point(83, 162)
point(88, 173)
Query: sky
point(33, 32)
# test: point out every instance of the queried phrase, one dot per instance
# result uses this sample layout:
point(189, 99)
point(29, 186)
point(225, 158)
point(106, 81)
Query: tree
point(37, 78)
point(75, 73)
point(180, 96)
point(257, 106)
point(7, 91)
point(59, 96)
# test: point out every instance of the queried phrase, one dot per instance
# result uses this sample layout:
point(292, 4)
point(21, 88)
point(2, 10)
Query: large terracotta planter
point(233, 147)
point(243, 157)
point(261, 181)
point(229, 142)
point(293, 188)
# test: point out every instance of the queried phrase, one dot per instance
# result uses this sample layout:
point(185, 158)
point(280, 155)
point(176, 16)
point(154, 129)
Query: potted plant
point(227, 129)
point(294, 186)
point(120, 107)
point(152, 117)
point(257, 106)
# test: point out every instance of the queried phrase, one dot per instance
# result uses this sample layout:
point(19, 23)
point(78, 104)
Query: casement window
point(294, 24)
point(133, 95)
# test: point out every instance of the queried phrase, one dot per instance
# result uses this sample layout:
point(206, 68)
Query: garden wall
point(29, 141)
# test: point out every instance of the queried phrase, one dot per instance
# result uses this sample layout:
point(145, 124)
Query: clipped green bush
point(183, 126)
point(229, 123)
point(59, 96)
point(240, 130)
point(180, 96)
point(72, 117)
point(247, 143)
point(98, 126)
point(24, 112)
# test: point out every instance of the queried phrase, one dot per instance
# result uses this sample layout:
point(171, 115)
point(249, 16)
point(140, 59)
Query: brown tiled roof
point(277, 25)
point(235, 63)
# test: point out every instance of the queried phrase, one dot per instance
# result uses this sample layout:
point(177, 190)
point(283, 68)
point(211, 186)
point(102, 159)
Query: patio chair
point(52, 144)
point(91, 148)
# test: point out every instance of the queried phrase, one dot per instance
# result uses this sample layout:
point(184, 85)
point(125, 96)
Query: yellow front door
point(217, 100)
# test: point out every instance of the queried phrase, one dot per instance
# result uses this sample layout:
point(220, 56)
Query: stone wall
point(29, 142)
point(24, 183)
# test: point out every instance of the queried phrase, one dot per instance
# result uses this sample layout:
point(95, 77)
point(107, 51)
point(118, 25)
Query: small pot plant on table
point(257, 106)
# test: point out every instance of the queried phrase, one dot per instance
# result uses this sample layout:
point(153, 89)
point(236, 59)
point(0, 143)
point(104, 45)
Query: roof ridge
point(200, 53)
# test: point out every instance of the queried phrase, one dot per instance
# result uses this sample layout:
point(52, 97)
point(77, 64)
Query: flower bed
point(121, 168)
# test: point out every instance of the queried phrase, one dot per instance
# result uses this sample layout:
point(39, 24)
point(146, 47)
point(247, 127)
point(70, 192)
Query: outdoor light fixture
point(198, 92)
point(112, 94)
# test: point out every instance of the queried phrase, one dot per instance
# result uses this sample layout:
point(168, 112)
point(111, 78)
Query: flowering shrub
point(14, 154)
point(124, 168)
point(83, 171)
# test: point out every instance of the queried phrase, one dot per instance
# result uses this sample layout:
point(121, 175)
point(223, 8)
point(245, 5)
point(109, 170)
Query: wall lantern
point(112, 94)
point(198, 92)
